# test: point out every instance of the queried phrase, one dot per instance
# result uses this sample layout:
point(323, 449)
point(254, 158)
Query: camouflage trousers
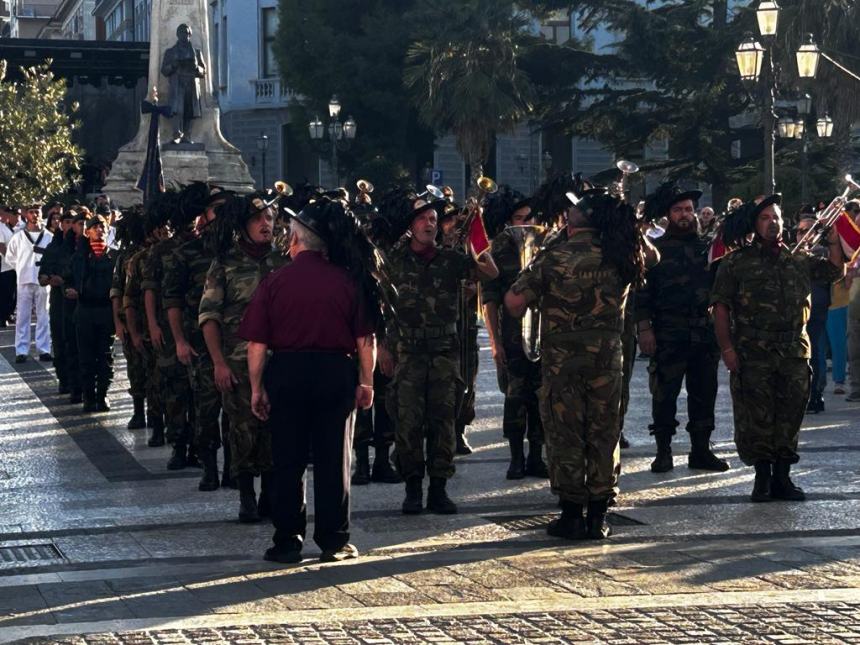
point(154, 404)
point(422, 400)
point(135, 367)
point(249, 439)
point(207, 402)
point(671, 365)
point(176, 393)
point(521, 416)
point(769, 397)
point(580, 408)
point(374, 426)
point(628, 349)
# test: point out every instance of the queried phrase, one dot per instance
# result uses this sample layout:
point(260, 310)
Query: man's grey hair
point(307, 238)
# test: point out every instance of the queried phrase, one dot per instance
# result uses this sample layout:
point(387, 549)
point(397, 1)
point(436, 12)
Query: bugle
point(827, 218)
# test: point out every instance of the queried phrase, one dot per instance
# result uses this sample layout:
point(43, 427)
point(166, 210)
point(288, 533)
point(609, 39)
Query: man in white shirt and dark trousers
point(24, 253)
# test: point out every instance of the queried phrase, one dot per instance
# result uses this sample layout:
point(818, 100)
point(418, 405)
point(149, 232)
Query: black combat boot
point(815, 405)
point(90, 400)
point(517, 467)
point(177, 459)
point(570, 524)
point(598, 529)
point(76, 396)
point(138, 419)
point(156, 439)
point(701, 456)
point(102, 404)
point(622, 441)
point(761, 487)
point(437, 497)
point(535, 466)
point(63, 388)
point(463, 447)
point(264, 503)
point(382, 472)
point(209, 480)
point(414, 501)
point(248, 511)
point(361, 476)
point(663, 461)
point(781, 486)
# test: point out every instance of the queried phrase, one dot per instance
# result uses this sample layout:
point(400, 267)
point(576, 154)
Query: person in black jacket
point(63, 266)
point(90, 284)
point(51, 274)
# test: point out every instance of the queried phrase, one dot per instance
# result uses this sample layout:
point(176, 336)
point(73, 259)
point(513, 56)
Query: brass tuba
point(528, 239)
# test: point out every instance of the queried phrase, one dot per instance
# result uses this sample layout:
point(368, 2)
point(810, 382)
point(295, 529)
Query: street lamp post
point(263, 147)
point(804, 109)
point(752, 59)
point(340, 134)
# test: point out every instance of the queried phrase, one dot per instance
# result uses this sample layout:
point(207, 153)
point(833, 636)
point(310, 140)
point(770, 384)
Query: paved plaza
point(99, 543)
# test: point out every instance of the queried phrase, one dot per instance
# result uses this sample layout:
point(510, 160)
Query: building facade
point(27, 18)
point(253, 101)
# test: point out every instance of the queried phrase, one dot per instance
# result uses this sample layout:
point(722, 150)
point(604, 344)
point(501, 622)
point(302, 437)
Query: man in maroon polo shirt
point(315, 318)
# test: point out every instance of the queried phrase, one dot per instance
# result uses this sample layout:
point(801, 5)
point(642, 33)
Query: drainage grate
point(15, 556)
point(536, 522)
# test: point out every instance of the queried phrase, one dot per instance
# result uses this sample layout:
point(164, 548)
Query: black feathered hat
point(658, 203)
point(500, 206)
point(739, 223)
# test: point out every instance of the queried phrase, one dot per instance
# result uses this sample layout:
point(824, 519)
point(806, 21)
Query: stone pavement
point(97, 538)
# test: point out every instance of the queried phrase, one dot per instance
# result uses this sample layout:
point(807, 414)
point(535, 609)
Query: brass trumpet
point(283, 189)
point(626, 168)
point(364, 189)
point(827, 218)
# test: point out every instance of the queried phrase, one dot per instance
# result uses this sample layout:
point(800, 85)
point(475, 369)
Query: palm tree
point(464, 79)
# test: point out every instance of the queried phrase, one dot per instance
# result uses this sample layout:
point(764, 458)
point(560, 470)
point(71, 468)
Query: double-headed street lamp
point(755, 61)
point(340, 134)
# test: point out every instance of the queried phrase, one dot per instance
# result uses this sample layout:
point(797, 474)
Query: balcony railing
point(270, 91)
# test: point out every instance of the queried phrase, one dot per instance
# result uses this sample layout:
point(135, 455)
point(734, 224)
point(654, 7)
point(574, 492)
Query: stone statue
point(184, 66)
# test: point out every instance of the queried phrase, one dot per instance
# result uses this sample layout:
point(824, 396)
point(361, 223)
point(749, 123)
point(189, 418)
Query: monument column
point(209, 156)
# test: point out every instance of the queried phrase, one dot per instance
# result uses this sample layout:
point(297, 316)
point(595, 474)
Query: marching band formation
point(260, 323)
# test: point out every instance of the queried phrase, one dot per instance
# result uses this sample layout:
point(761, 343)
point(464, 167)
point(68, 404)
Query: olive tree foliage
point(39, 157)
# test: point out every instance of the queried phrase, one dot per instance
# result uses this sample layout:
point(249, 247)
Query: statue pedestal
point(211, 157)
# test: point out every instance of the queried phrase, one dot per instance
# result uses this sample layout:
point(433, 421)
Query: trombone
point(827, 218)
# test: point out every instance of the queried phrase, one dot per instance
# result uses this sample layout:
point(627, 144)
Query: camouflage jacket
point(230, 284)
point(120, 275)
point(581, 302)
point(677, 291)
point(506, 255)
point(132, 293)
point(428, 298)
point(183, 279)
point(152, 271)
point(769, 299)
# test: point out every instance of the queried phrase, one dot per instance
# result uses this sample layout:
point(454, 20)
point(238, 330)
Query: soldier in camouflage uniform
point(182, 283)
point(175, 384)
point(423, 395)
point(467, 330)
point(519, 377)
point(580, 284)
point(761, 302)
point(232, 278)
point(374, 426)
point(155, 229)
point(676, 331)
point(130, 234)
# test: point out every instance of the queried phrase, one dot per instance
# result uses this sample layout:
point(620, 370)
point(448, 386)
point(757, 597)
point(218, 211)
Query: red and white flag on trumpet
point(849, 235)
point(479, 241)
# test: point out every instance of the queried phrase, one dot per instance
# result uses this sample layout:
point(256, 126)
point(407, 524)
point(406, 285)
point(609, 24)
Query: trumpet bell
point(364, 186)
point(435, 191)
point(283, 188)
point(487, 185)
point(627, 167)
